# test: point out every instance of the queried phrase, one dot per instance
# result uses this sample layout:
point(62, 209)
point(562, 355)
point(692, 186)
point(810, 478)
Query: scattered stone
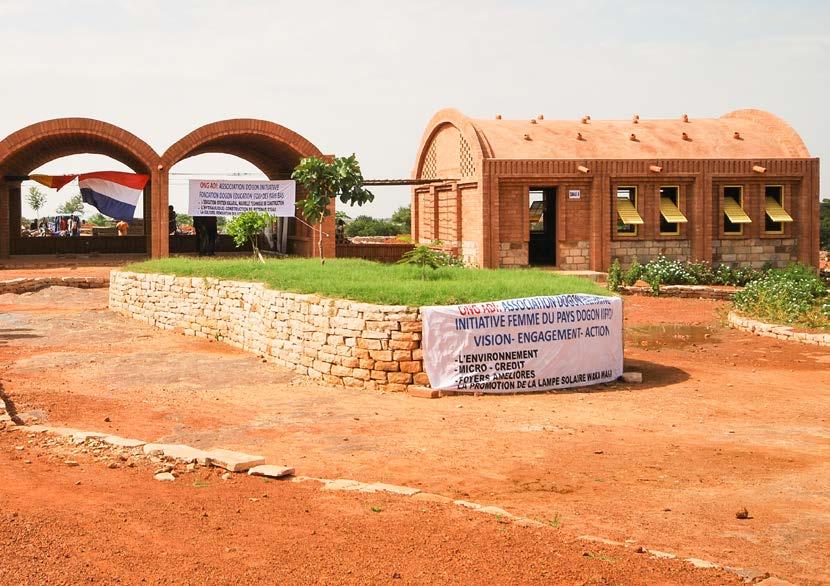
point(27, 461)
point(701, 563)
point(271, 471)
point(112, 465)
point(342, 484)
point(468, 505)
point(77, 483)
point(226, 476)
point(164, 476)
point(640, 549)
point(662, 554)
point(390, 488)
point(123, 442)
point(632, 377)
point(19, 448)
point(165, 468)
point(742, 514)
point(191, 467)
point(71, 463)
point(80, 437)
point(233, 461)
point(423, 392)
point(107, 419)
point(599, 540)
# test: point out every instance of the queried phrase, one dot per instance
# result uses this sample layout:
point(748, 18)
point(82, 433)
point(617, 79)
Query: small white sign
point(574, 194)
point(524, 345)
point(230, 197)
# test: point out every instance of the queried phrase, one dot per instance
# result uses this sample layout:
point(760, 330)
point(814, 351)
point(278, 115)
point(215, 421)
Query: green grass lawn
point(372, 282)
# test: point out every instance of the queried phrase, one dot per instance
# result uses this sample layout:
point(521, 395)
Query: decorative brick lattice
point(430, 163)
point(466, 162)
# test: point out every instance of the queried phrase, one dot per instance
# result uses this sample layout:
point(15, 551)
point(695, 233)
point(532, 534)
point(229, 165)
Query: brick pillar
point(5, 228)
point(707, 201)
point(415, 225)
point(156, 225)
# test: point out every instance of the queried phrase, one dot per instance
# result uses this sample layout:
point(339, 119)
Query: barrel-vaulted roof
point(743, 134)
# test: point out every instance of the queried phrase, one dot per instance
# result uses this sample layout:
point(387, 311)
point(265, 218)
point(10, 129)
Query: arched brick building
point(739, 189)
point(272, 148)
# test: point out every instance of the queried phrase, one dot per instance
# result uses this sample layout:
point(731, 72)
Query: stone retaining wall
point(338, 341)
point(755, 252)
point(687, 291)
point(645, 250)
point(780, 332)
point(29, 284)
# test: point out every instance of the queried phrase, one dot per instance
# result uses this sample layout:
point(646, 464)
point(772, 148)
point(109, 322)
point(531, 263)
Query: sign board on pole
point(231, 197)
point(523, 345)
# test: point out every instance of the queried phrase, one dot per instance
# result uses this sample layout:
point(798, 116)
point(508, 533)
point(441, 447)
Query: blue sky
point(365, 77)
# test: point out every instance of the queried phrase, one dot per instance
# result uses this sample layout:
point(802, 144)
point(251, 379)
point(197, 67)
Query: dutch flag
point(113, 193)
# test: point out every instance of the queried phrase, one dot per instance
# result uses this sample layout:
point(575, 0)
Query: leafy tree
point(221, 224)
point(36, 199)
point(74, 205)
point(184, 220)
point(424, 257)
point(403, 219)
point(341, 215)
point(368, 226)
point(324, 180)
point(824, 227)
point(246, 227)
point(99, 219)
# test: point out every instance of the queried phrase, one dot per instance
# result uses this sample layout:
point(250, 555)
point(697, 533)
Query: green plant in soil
point(394, 284)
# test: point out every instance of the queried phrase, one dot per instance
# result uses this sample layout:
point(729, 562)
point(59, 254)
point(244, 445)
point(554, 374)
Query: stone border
point(31, 284)
point(338, 341)
point(780, 332)
point(684, 291)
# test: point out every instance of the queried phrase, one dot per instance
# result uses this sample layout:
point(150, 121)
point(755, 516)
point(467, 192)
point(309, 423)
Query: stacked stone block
point(340, 342)
point(646, 250)
point(575, 255)
point(755, 252)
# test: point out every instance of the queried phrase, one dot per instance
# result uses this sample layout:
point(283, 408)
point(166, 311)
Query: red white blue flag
point(114, 194)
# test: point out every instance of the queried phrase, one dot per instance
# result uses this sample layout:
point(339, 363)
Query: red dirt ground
point(723, 420)
point(61, 525)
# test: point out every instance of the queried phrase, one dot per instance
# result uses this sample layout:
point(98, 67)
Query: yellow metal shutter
point(670, 212)
point(776, 211)
point(628, 213)
point(734, 211)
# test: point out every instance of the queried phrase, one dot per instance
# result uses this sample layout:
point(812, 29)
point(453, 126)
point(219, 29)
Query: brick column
point(5, 229)
point(156, 234)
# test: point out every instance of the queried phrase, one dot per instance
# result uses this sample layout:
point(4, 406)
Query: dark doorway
point(542, 249)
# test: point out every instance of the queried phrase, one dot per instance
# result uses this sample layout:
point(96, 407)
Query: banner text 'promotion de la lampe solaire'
point(524, 345)
point(231, 197)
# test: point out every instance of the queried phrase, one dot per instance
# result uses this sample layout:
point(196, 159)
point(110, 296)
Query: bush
point(615, 276)
point(634, 272)
point(667, 272)
point(368, 226)
point(795, 295)
point(246, 227)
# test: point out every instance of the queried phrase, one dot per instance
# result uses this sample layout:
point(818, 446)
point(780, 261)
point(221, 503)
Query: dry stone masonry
point(338, 341)
point(29, 284)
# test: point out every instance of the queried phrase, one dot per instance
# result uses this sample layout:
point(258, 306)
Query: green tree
point(424, 257)
point(368, 226)
point(824, 226)
point(403, 219)
point(246, 227)
point(184, 220)
point(73, 205)
point(36, 199)
point(324, 180)
point(221, 224)
point(99, 219)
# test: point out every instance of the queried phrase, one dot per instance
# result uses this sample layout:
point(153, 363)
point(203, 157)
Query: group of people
point(62, 225)
point(206, 231)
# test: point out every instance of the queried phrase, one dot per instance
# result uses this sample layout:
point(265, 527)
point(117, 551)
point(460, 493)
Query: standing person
point(122, 227)
point(210, 238)
point(199, 226)
point(171, 220)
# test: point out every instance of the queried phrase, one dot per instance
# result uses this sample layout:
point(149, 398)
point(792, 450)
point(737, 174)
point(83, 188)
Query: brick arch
point(479, 149)
point(272, 148)
point(27, 149)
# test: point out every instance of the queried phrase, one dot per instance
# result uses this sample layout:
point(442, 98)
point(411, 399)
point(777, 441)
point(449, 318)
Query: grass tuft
point(372, 282)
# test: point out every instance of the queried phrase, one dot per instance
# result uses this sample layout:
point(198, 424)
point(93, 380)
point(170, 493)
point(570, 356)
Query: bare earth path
point(723, 420)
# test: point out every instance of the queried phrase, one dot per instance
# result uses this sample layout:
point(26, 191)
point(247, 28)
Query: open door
point(542, 249)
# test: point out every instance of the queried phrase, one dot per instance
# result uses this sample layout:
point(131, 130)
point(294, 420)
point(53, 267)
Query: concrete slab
point(632, 377)
point(187, 454)
point(271, 471)
point(698, 563)
point(153, 449)
point(432, 498)
point(491, 510)
point(342, 484)
point(123, 442)
point(233, 461)
point(390, 488)
point(468, 505)
point(80, 437)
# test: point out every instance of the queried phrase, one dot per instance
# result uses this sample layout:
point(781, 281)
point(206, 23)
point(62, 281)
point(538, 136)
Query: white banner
point(229, 197)
point(524, 345)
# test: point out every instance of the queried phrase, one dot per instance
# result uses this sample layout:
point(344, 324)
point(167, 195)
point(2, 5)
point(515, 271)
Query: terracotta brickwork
point(585, 162)
point(338, 341)
point(274, 149)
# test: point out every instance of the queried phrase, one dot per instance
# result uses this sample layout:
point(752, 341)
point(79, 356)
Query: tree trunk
point(320, 243)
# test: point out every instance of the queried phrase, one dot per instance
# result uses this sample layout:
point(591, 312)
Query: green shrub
point(634, 272)
point(702, 272)
point(246, 227)
point(795, 295)
point(615, 276)
point(667, 272)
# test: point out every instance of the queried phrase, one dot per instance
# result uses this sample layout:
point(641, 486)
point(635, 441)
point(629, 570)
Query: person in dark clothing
point(206, 232)
point(171, 220)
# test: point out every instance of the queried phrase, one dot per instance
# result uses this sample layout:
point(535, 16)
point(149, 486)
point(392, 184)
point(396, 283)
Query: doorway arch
point(28, 148)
